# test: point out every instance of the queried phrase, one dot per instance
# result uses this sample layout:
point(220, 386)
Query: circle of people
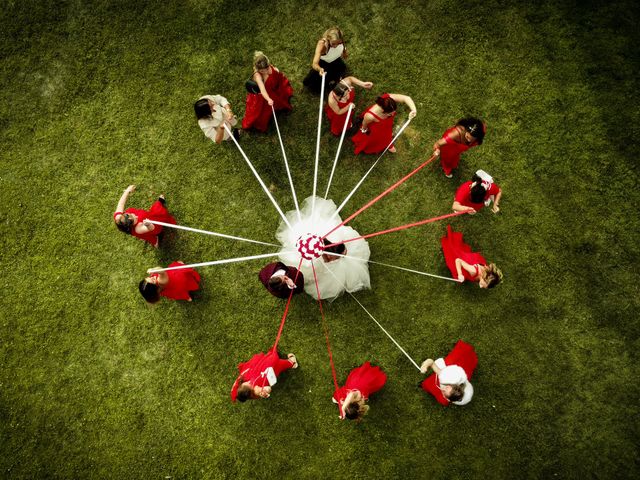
point(371, 133)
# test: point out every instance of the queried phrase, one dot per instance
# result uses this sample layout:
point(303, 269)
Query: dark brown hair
point(387, 104)
point(338, 248)
point(244, 393)
point(149, 291)
point(125, 224)
point(340, 89)
point(478, 191)
point(475, 127)
point(202, 108)
point(457, 392)
point(277, 284)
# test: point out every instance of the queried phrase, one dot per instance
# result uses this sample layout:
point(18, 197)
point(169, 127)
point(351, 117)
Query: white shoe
point(294, 361)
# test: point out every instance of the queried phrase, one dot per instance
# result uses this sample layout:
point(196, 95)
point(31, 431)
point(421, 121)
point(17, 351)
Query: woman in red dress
point(174, 284)
point(361, 383)
point(480, 192)
point(259, 374)
point(339, 100)
point(136, 222)
point(468, 132)
point(467, 265)
point(450, 381)
point(376, 131)
point(274, 90)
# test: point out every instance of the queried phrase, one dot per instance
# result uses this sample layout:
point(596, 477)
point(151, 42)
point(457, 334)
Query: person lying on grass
point(259, 374)
point(361, 383)
point(450, 381)
point(467, 265)
point(174, 284)
point(136, 222)
point(478, 193)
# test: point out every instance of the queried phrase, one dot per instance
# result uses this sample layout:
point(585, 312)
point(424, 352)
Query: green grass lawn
point(94, 383)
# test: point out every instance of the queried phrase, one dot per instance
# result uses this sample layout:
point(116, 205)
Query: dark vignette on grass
point(94, 383)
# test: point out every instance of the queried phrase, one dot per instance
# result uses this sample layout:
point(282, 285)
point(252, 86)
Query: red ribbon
point(402, 227)
point(383, 194)
point(286, 310)
point(326, 330)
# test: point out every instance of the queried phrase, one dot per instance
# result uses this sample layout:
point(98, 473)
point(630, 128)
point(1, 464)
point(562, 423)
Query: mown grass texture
point(94, 383)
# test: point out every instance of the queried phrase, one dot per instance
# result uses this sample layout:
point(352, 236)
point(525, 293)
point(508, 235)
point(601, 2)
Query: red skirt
point(454, 247)
point(366, 378)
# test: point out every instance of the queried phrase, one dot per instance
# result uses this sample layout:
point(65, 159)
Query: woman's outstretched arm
point(125, 196)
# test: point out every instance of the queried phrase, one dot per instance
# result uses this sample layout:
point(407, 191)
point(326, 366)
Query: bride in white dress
point(350, 273)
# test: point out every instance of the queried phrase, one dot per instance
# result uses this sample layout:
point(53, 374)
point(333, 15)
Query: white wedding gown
point(350, 273)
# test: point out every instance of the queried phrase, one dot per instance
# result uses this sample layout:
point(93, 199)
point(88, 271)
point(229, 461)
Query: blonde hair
point(260, 61)
point(493, 275)
point(334, 34)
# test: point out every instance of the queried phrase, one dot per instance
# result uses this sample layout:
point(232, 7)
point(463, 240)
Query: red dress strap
point(373, 114)
point(477, 275)
point(448, 137)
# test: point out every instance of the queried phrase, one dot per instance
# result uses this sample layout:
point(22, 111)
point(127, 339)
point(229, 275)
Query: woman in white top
point(213, 112)
point(450, 384)
point(452, 380)
point(330, 50)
